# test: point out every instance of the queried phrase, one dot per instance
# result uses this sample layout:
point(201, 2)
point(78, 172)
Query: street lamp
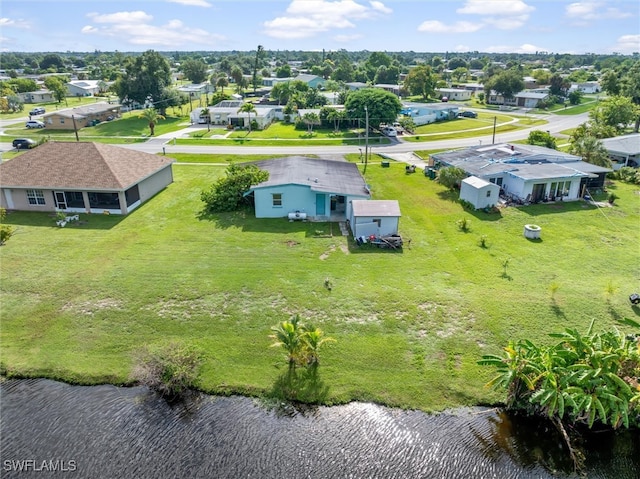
point(366, 138)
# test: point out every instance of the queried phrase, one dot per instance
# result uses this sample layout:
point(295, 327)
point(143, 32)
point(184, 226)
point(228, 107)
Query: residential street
point(556, 123)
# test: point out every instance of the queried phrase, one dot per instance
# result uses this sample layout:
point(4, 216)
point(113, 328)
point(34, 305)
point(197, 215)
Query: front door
point(538, 192)
point(61, 200)
point(321, 207)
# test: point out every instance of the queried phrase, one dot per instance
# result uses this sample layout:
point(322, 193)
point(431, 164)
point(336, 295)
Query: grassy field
point(79, 302)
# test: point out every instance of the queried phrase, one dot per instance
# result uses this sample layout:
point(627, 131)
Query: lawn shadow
point(557, 310)
point(300, 385)
point(541, 209)
point(94, 221)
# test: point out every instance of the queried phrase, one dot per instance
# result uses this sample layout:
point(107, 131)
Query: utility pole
point(493, 142)
point(75, 128)
point(366, 138)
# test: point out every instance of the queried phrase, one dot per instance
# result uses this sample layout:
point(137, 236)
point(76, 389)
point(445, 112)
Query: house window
point(35, 197)
point(378, 221)
point(277, 199)
point(488, 193)
point(499, 181)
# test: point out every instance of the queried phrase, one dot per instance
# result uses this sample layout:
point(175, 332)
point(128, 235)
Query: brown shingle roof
point(80, 166)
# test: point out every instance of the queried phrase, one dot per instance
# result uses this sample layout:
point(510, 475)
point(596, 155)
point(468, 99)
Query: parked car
point(34, 124)
point(37, 111)
point(468, 114)
point(23, 143)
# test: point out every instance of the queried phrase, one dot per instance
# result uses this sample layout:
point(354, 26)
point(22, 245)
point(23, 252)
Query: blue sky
point(523, 26)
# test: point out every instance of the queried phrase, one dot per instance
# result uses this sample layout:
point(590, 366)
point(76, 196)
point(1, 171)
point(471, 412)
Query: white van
point(389, 131)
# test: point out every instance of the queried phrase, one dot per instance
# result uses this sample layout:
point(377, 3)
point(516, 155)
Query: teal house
point(301, 188)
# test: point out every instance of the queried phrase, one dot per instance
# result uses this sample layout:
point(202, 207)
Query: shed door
point(61, 200)
point(321, 208)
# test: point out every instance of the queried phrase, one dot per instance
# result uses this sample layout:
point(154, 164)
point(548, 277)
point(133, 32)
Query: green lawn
point(79, 301)
point(128, 129)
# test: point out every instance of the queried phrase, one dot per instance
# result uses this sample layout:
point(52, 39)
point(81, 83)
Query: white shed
point(374, 217)
point(478, 192)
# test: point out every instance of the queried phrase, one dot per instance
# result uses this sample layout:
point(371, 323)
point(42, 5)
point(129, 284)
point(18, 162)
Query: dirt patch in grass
point(291, 243)
point(89, 308)
point(326, 254)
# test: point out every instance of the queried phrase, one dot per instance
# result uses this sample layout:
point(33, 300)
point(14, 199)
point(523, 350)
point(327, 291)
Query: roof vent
point(316, 180)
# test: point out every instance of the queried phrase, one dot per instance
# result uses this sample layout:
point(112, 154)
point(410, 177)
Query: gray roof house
point(623, 150)
point(526, 172)
point(524, 99)
point(82, 177)
point(312, 188)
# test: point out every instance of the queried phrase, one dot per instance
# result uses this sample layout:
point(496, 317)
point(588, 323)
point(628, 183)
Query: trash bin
point(384, 164)
point(432, 174)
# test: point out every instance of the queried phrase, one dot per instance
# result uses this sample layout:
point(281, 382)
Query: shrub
point(6, 231)
point(464, 224)
point(170, 370)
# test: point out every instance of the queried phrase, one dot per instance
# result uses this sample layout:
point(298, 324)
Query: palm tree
point(312, 339)
point(311, 119)
point(591, 150)
point(287, 336)
point(152, 116)
point(207, 113)
point(222, 82)
point(248, 108)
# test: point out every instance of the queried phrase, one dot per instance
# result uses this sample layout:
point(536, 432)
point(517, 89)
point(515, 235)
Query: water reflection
point(128, 432)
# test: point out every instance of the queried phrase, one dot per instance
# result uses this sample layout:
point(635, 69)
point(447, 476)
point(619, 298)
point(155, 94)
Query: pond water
point(112, 432)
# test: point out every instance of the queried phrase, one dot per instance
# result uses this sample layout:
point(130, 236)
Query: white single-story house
point(374, 217)
point(38, 96)
point(390, 87)
point(425, 113)
point(226, 113)
point(356, 85)
point(456, 94)
point(195, 90)
point(587, 87)
point(528, 173)
point(316, 189)
point(623, 150)
point(524, 99)
point(84, 87)
point(82, 177)
point(480, 193)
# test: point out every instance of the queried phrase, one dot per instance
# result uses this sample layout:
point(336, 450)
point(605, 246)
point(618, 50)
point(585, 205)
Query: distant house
point(84, 87)
point(523, 99)
point(587, 87)
point(455, 94)
point(527, 172)
point(87, 115)
point(38, 96)
point(226, 113)
point(312, 81)
point(82, 178)
point(318, 189)
point(425, 113)
point(390, 87)
point(356, 85)
point(480, 193)
point(374, 217)
point(623, 150)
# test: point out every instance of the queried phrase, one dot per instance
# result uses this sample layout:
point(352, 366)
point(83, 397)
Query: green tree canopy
point(506, 83)
point(195, 70)
point(145, 78)
point(381, 106)
point(421, 81)
point(227, 193)
point(57, 87)
point(591, 150)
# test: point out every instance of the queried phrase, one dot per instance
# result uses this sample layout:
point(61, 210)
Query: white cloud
point(192, 3)
point(136, 28)
point(381, 7)
point(583, 12)
point(493, 8)
point(10, 22)
point(121, 17)
point(627, 44)
point(436, 26)
point(525, 48)
point(307, 18)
